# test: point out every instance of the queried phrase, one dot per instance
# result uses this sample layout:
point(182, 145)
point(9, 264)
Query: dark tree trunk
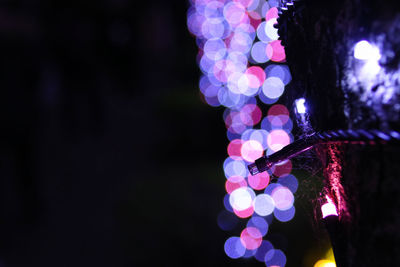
point(319, 37)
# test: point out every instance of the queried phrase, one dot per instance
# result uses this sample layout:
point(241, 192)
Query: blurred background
point(109, 154)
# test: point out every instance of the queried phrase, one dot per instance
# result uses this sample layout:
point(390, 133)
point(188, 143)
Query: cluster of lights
point(241, 59)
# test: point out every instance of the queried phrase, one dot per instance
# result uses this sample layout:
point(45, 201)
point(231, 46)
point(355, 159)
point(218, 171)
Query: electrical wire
point(340, 136)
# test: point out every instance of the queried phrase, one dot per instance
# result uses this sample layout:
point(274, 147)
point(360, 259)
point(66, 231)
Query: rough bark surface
point(319, 38)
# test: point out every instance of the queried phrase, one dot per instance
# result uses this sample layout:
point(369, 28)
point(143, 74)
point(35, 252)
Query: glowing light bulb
point(329, 208)
point(300, 106)
point(363, 50)
point(325, 263)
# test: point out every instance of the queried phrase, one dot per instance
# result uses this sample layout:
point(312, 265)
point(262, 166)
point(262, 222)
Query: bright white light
point(242, 198)
point(369, 70)
point(363, 50)
point(300, 106)
point(329, 208)
point(263, 205)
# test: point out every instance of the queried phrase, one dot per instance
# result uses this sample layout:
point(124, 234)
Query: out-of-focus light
point(325, 263)
point(260, 223)
point(283, 198)
point(250, 114)
point(227, 205)
point(284, 215)
point(226, 220)
point(251, 150)
point(244, 213)
point(273, 87)
point(225, 35)
point(234, 13)
point(363, 50)
point(277, 139)
point(264, 205)
point(259, 181)
point(251, 238)
point(235, 167)
point(258, 52)
point(283, 169)
point(329, 208)
point(245, 3)
point(300, 106)
point(242, 198)
point(280, 71)
point(249, 253)
point(272, 13)
point(290, 181)
point(234, 182)
point(270, 30)
point(215, 49)
point(253, 5)
point(234, 148)
point(234, 248)
point(276, 52)
point(275, 257)
point(262, 35)
point(258, 73)
point(277, 110)
point(263, 250)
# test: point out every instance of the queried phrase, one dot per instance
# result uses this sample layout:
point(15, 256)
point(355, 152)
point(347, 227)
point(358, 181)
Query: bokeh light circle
point(283, 198)
point(242, 198)
point(234, 248)
point(251, 238)
point(264, 204)
point(259, 181)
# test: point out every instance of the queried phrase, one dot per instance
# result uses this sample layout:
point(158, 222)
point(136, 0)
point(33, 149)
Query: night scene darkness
point(199, 133)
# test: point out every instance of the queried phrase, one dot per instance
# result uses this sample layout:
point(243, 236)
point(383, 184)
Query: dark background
point(108, 156)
